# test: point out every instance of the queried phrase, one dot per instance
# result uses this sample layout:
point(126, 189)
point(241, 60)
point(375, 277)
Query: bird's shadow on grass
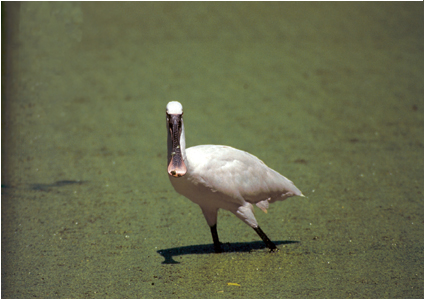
point(209, 248)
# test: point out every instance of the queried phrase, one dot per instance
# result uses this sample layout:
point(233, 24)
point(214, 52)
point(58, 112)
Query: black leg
point(217, 246)
point(265, 239)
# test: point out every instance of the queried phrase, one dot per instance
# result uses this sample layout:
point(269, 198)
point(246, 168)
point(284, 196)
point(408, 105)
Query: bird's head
point(176, 139)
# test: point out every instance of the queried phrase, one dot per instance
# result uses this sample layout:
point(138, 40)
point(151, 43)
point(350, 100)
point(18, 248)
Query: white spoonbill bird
point(216, 177)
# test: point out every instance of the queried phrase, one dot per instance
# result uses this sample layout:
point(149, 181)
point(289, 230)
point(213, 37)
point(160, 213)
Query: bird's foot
point(217, 248)
point(274, 250)
point(266, 240)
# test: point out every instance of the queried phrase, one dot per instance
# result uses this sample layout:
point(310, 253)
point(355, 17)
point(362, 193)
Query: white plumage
point(215, 177)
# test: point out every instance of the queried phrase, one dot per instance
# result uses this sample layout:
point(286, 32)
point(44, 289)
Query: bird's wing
point(238, 174)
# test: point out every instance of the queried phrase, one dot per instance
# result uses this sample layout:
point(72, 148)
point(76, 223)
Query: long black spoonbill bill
point(214, 177)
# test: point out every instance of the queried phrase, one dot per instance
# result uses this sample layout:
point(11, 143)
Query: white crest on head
point(174, 108)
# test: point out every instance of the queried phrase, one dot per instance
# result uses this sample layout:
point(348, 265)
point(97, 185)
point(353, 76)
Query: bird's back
point(237, 173)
